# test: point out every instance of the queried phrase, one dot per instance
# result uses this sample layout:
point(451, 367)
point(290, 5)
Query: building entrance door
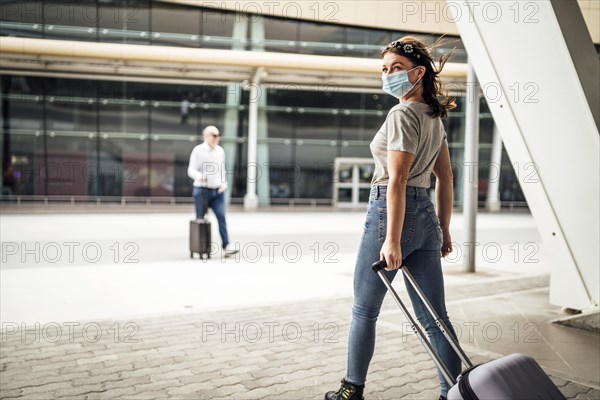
point(352, 181)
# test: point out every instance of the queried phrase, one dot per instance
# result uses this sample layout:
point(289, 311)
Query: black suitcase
point(200, 238)
point(513, 377)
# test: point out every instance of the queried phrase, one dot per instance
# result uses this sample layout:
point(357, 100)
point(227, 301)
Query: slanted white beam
point(535, 88)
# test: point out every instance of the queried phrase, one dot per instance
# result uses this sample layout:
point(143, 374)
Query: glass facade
point(111, 140)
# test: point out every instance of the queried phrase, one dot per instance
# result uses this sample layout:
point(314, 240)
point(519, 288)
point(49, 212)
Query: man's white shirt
point(209, 164)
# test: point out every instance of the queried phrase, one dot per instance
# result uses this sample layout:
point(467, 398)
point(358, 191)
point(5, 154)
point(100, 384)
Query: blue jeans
point(204, 199)
point(421, 245)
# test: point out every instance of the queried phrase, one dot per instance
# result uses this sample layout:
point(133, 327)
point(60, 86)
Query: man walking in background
point(207, 169)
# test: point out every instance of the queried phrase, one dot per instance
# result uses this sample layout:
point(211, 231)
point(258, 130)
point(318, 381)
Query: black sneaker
point(347, 391)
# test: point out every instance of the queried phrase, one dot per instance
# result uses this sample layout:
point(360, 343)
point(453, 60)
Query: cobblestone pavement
point(291, 351)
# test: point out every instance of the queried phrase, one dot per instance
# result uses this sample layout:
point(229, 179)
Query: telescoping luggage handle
point(378, 267)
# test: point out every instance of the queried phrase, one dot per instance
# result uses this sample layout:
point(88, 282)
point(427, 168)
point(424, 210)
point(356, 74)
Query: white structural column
point(251, 199)
point(546, 112)
point(263, 184)
point(495, 173)
point(471, 169)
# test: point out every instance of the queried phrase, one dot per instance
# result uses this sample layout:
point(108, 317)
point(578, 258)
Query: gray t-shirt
point(409, 128)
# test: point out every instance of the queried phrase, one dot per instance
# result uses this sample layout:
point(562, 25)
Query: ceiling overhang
point(114, 61)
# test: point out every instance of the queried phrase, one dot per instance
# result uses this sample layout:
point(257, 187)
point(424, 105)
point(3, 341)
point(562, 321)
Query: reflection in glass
point(344, 195)
point(365, 173)
point(363, 195)
point(24, 168)
point(124, 167)
point(316, 169)
point(72, 168)
point(70, 20)
point(124, 21)
point(161, 179)
point(175, 25)
point(281, 35)
point(352, 127)
point(21, 121)
point(360, 150)
point(345, 174)
point(216, 28)
point(317, 126)
point(21, 19)
point(282, 172)
point(321, 39)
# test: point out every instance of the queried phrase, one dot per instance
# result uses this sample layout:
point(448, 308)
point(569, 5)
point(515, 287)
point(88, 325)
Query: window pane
point(486, 130)
point(510, 188)
point(238, 179)
point(321, 39)
point(315, 180)
point(71, 20)
point(380, 101)
point(123, 166)
point(356, 150)
point(174, 110)
point(25, 114)
point(281, 124)
point(124, 21)
point(282, 172)
point(25, 170)
point(21, 18)
point(352, 128)
point(123, 108)
point(378, 40)
point(216, 28)
point(281, 35)
point(317, 126)
point(72, 168)
point(23, 140)
point(174, 25)
point(71, 107)
point(162, 161)
point(372, 126)
point(364, 42)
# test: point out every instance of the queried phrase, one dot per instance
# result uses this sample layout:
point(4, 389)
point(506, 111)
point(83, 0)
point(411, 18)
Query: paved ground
point(268, 329)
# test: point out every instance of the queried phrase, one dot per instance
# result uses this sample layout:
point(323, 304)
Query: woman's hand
point(392, 253)
point(446, 242)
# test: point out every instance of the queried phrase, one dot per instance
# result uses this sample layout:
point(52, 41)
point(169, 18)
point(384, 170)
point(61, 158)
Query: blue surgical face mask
point(397, 84)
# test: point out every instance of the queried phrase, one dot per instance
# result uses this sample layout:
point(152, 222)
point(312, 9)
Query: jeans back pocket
point(435, 221)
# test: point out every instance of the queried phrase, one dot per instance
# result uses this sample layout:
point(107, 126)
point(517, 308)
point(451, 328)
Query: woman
point(401, 221)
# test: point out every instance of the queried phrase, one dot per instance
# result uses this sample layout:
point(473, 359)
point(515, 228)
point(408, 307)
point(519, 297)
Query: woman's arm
point(398, 165)
point(444, 196)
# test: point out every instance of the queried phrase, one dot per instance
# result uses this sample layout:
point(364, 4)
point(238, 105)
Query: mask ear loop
point(414, 85)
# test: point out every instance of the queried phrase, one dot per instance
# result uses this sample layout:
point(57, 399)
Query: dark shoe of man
point(347, 391)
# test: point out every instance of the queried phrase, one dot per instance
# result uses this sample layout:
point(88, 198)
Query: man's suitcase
point(200, 238)
point(514, 377)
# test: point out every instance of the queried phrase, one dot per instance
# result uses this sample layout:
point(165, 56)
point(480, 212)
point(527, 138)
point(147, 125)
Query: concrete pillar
point(493, 195)
point(470, 171)
point(263, 185)
point(251, 199)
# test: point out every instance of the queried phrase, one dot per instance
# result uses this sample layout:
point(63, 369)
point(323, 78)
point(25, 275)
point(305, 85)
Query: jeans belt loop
point(377, 193)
